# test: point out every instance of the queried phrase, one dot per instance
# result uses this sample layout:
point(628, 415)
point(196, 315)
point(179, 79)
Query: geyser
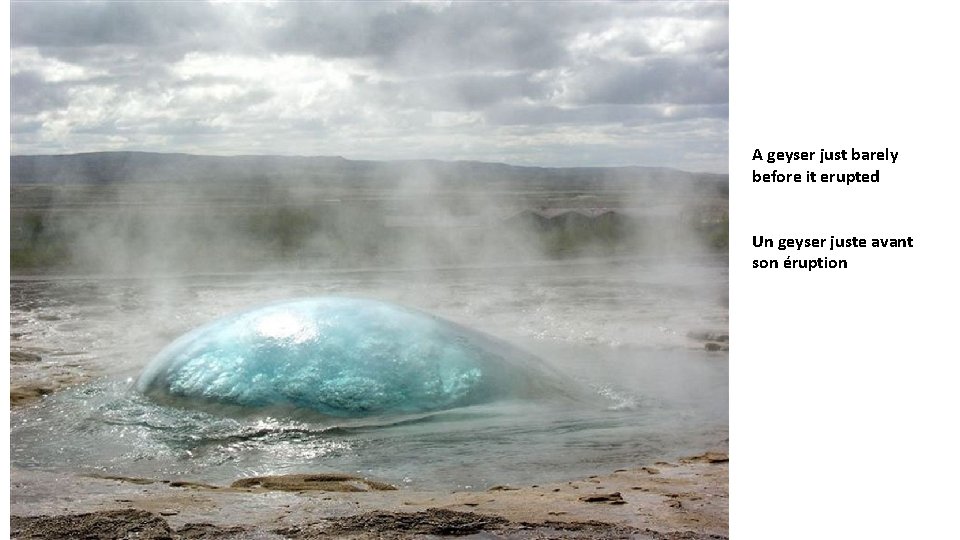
point(341, 357)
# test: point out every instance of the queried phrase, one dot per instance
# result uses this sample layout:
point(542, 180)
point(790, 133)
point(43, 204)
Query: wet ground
point(686, 499)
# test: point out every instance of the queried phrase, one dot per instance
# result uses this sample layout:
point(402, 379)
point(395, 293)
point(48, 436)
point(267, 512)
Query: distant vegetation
point(134, 213)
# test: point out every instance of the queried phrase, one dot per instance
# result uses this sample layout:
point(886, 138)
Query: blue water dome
point(340, 357)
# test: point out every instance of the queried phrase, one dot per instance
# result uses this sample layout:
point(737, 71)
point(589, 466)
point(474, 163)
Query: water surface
point(617, 330)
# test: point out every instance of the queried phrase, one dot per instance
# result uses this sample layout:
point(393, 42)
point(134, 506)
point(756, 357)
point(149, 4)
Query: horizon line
point(332, 156)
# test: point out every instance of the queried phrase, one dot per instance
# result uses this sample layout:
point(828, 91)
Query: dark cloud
point(462, 92)
point(59, 26)
point(29, 93)
point(415, 38)
point(21, 127)
point(681, 81)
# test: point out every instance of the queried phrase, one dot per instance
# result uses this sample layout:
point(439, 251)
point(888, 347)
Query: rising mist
point(139, 214)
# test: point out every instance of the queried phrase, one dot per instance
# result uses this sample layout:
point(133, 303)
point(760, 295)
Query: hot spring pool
point(645, 392)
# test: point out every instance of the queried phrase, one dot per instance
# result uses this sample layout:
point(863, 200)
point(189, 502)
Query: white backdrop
point(844, 383)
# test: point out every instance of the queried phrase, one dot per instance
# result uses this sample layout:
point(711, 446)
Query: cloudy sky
point(537, 83)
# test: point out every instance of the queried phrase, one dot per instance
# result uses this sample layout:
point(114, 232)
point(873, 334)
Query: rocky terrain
point(686, 499)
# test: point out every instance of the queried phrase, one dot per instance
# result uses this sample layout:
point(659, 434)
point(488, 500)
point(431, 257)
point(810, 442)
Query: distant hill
point(118, 167)
point(135, 212)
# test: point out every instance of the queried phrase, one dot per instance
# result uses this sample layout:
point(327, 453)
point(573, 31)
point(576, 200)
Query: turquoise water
point(344, 357)
point(616, 335)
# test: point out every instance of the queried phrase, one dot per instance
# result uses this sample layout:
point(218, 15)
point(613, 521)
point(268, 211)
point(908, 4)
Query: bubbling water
point(342, 357)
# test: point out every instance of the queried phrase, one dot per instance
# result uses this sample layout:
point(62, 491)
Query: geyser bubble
point(341, 357)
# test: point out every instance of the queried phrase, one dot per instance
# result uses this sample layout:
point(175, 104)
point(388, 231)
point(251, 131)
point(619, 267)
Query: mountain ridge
point(140, 166)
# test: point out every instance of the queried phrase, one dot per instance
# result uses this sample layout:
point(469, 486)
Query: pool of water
point(617, 331)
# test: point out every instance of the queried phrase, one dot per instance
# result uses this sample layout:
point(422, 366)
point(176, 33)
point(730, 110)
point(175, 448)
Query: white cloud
point(52, 70)
point(546, 84)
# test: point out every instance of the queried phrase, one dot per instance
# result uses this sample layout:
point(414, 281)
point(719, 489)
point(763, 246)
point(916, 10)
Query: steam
point(418, 215)
point(424, 234)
